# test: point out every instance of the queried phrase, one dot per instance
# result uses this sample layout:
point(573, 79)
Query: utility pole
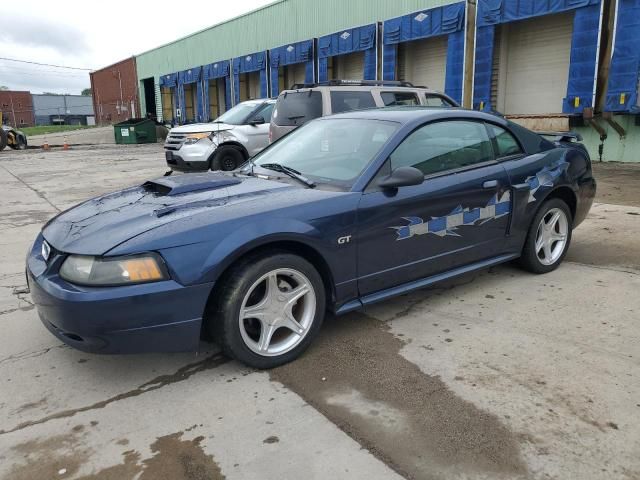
point(121, 99)
point(13, 112)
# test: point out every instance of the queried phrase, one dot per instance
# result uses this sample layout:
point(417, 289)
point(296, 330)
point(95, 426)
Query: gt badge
point(343, 240)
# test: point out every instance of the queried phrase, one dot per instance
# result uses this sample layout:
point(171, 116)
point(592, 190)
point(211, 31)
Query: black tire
point(3, 139)
point(530, 260)
point(227, 158)
point(21, 142)
point(222, 319)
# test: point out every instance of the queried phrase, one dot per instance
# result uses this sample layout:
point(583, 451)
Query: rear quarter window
point(295, 108)
point(437, 101)
point(399, 98)
point(345, 101)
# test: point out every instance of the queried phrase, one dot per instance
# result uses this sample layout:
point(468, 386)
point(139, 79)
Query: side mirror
point(402, 177)
point(257, 121)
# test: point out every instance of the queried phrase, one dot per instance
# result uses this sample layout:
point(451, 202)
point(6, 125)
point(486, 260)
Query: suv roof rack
point(365, 83)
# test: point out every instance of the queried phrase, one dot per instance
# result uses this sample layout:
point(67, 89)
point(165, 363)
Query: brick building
point(115, 92)
point(17, 108)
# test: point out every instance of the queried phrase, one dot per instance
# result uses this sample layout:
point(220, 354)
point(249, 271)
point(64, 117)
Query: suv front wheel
point(227, 158)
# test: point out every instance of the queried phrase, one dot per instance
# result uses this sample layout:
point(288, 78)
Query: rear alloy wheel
point(269, 309)
point(548, 238)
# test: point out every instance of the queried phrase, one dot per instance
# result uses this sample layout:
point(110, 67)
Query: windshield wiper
point(293, 173)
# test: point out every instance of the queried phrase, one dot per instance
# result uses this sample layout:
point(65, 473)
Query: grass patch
point(47, 129)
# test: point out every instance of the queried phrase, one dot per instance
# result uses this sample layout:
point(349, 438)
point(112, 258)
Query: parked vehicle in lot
point(11, 137)
point(344, 212)
point(305, 102)
point(223, 144)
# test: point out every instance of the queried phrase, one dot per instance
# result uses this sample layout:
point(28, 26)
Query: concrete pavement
point(89, 136)
point(500, 374)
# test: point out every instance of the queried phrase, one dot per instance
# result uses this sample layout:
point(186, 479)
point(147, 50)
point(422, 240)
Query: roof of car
point(362, 88)
point(413, 113)
point(257, 101)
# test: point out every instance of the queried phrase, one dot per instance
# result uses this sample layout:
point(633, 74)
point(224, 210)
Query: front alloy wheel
point(277, 312)
point(268, 309)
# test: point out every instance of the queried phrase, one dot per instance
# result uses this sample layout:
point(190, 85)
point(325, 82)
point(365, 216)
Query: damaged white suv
point(224, 144)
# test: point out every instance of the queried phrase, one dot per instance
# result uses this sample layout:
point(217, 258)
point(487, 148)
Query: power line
point(34, 69)
point(45, 64)
point(52, 73)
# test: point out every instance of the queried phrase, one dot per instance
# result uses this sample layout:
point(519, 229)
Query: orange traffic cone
point(65, 145)
point(45, 145)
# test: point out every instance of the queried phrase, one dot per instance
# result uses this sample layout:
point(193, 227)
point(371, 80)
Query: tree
point(86, 92)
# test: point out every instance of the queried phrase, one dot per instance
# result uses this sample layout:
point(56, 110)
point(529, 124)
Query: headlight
point(97, 271)
point(194, 137)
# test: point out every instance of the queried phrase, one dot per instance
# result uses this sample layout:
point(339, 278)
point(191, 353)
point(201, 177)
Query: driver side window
point(265, 112)
point(441, 146)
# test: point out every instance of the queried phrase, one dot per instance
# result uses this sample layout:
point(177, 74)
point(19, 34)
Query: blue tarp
point(624, 71)
point(186, 77)
point(254, 62)
point(584, 46)
point(215, 71)
point(170, 80)
point(301, 52)
point(358, 39)
point(446, 20)
point(584, 55)
point(493, 12)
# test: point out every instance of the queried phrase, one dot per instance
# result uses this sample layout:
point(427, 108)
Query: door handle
point(490, 184)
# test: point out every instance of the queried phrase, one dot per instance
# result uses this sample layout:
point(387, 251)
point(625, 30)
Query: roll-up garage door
point(534, 64)
point(423, 62)
point(190, 102)
point(290, 75)
point(350, 66)
point(254, 85)
point(216, 98)
point(294, 74)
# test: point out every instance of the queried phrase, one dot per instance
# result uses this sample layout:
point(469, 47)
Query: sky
point(93, 35)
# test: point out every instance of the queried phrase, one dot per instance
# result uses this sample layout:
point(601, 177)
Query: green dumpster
point(135, 130)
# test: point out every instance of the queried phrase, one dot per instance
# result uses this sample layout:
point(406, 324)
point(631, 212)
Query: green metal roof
point(276, 24)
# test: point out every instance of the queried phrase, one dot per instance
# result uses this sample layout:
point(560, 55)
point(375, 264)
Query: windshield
point(238, 114)
point(330, 150)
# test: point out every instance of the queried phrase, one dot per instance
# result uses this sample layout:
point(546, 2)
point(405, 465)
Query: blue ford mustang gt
point(343, 212)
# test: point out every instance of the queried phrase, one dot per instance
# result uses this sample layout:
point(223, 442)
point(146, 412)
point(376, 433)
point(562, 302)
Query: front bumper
point(194, 157)
point(155, 317)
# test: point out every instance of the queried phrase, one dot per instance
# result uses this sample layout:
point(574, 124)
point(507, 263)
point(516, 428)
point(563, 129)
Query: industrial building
point(547, 64)
point(115, 92)
point(17, 108)
point(62, 109)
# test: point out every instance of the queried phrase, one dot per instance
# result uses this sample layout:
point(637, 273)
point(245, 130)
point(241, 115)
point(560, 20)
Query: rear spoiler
point(562, 136)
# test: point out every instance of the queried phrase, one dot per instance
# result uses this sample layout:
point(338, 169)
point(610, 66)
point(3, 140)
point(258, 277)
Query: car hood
point(100, 224)
point(202, 127)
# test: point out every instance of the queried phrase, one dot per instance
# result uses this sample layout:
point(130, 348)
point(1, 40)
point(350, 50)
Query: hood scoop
point(195, 182)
